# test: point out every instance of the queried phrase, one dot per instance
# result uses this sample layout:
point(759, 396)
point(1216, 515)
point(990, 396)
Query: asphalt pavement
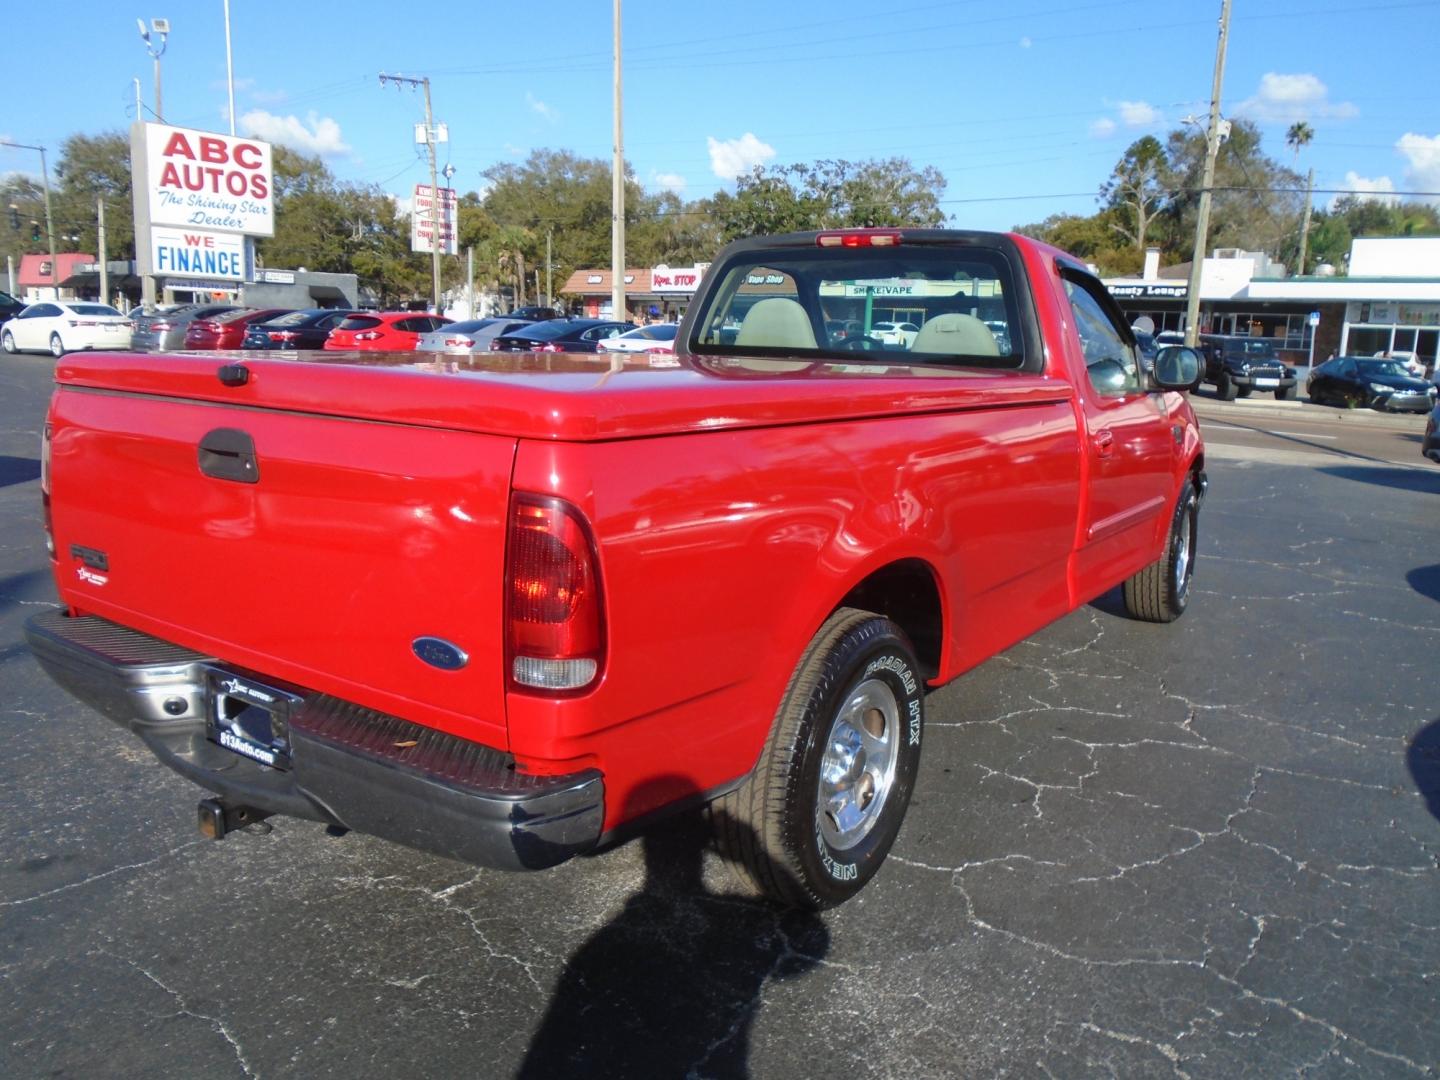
point(1205, 850)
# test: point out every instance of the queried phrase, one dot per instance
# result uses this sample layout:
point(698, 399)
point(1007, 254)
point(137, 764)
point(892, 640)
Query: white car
point(656, 338)
point(57, 328)
point(895, 333)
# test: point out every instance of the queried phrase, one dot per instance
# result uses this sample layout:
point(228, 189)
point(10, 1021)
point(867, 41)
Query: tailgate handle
point(229, 454)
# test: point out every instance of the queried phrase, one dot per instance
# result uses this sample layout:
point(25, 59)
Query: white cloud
point(1285, 99)
point(1102, 128)
point(1373, 189)
point(313, 135)
point(1025, 43)
point(538, 106)
point(1139, 113)
point(1423, 172)
point(670, 181)
point(735, 157)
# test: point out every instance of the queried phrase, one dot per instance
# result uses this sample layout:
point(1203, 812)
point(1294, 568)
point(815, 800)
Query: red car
point(227, 330)
point(384, 331)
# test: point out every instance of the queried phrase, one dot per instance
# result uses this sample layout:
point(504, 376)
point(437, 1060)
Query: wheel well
point(906, 593)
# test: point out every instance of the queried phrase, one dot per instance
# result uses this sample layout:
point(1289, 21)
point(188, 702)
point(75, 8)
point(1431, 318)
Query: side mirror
point(1177, 368)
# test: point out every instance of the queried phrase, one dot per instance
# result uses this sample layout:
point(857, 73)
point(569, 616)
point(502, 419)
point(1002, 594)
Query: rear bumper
point(349, 766)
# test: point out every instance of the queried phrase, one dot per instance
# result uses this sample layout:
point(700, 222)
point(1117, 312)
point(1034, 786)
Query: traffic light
point(14, 217)
point(35, 231)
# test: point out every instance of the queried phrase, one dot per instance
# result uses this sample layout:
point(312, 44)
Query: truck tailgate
point(352, 539)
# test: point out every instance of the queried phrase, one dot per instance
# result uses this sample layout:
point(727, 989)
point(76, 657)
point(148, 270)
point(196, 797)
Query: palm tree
point(1299, 135)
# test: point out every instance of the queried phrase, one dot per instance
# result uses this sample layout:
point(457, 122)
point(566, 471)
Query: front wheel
point(816, 818)
point(1285, 393)
point(7, 342)
point(1161, 591)
point(1225, 390)
point(57, 347)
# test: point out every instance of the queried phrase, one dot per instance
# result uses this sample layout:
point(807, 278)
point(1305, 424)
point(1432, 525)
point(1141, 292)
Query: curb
point(1319, 413)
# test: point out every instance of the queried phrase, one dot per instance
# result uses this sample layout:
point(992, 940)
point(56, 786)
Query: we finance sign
point(181, 253)
point(201, 180)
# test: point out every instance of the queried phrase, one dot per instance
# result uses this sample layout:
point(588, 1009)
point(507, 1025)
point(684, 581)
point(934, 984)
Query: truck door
point(1129, 440)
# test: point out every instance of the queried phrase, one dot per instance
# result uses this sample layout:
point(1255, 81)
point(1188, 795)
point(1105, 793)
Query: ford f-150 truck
point(508, 608)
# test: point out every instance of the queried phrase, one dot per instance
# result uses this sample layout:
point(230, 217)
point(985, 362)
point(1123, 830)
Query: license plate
point(249, 718)
point(1267, 382)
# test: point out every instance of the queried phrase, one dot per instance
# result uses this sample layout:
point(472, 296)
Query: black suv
point(1238, 365)
point(10, 307)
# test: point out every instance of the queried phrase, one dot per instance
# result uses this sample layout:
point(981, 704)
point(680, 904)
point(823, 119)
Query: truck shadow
point(672, 984)
point(18, 470)
point(1423, 758)
point(1425, 580)
point(1416, 479)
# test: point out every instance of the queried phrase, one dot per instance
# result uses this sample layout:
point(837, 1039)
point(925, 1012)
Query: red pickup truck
point(508, 608)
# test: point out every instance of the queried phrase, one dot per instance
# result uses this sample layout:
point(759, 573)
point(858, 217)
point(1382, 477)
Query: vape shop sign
point(201, 180)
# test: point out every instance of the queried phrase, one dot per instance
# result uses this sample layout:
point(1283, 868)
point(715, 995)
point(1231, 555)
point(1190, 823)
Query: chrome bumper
point(349, 766)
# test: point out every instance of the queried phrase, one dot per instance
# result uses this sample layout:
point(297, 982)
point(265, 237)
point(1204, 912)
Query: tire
point(1285, 393)
point(1225, 390)
point(817, 816)
point(57, 346)
point(1244, 391)
point(1161, 591)
point(7, 342)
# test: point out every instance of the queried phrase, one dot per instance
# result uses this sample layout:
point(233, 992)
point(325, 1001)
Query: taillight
point(464, 343)
point(161, 326)
point(45, 490)
point(282, 335)
point(368, 335)
point(83, 322)
point(548, 346)
point(858, 239)
point(204, 328)
point(555, 638)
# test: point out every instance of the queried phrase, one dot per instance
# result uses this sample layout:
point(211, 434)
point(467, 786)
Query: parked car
point(472, 336)
point(163, 331)
point(1239, 365)
point(657, 338)
point(896, 334)
point(839, 329)
point(561, 335)
point(227, 330)
point(9, 306)
point(59, 328)
point(304, 329)
point(384, 331)
point(1366, 381)
point(533, 314)
point(1430, 444)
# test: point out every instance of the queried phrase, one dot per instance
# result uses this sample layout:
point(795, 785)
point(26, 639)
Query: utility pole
point(230, 71)
point(1305, 221)
point(1202, 221)
point(470, 281)
point(49, 217)
point(617, 195)
point(549, 271)
point(104, 266)
point(437, 214)
point(161, 28)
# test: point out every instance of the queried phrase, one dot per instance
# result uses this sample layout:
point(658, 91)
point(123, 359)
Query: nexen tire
point(820, 812)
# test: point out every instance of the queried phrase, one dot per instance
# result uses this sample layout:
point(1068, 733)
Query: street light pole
point(49, 217)
point(161, 29)
point(617, 196)
point(1202, 220)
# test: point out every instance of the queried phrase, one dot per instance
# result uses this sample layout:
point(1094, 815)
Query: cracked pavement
point(1201, 850)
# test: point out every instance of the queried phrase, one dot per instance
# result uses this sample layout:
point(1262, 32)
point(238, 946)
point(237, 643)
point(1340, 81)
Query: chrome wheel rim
point(1183, 546)
point(857, 772)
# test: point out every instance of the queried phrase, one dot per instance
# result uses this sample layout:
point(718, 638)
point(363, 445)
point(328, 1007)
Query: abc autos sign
point(201, 180)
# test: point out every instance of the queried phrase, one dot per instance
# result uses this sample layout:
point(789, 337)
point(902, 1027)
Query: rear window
point(359, 322)
point(960, 299)
point(94, 309)
point(545, 331)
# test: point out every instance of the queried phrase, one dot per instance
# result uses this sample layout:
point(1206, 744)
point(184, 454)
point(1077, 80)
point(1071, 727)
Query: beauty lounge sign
point(202, 180)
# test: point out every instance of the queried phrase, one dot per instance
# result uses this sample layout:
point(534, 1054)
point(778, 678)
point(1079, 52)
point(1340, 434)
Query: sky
point(1024, 106)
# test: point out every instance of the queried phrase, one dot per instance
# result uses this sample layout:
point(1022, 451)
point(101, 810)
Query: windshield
point(792, 302)
point(1371, 368)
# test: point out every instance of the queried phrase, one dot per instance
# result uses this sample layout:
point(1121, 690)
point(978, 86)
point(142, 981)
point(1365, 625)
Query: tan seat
point(955, 335)
point(776, 322)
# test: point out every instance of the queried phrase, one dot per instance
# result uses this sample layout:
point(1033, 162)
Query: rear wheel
point(1161, 591)
point(57, 347)
point(814, 821)
point(7, 342)
point(1224, 388)
point(1244, 391)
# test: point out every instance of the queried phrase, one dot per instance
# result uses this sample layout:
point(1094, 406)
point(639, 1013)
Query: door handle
point(229, 454)
point(1104, 442)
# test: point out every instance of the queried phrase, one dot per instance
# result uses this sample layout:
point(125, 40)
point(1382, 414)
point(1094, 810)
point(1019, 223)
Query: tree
point(1299, 135)
point(1137, 188)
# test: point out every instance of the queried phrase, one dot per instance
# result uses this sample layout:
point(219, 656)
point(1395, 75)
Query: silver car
point(475, 335)
point(164, 330)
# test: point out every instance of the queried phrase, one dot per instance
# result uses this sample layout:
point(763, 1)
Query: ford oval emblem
point(440, 653)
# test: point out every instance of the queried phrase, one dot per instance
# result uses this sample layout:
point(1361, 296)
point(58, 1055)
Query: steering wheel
point(862, 343)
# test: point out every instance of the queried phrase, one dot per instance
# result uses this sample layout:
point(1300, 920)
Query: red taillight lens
point(555, 634)
point(460, 342)
point(368, 335)
point(160, 326)
point(45, 490)
point(548, 346)
point(281, 335)
point(858, 239)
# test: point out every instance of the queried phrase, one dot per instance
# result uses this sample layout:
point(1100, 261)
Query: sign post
point(1313, 321)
